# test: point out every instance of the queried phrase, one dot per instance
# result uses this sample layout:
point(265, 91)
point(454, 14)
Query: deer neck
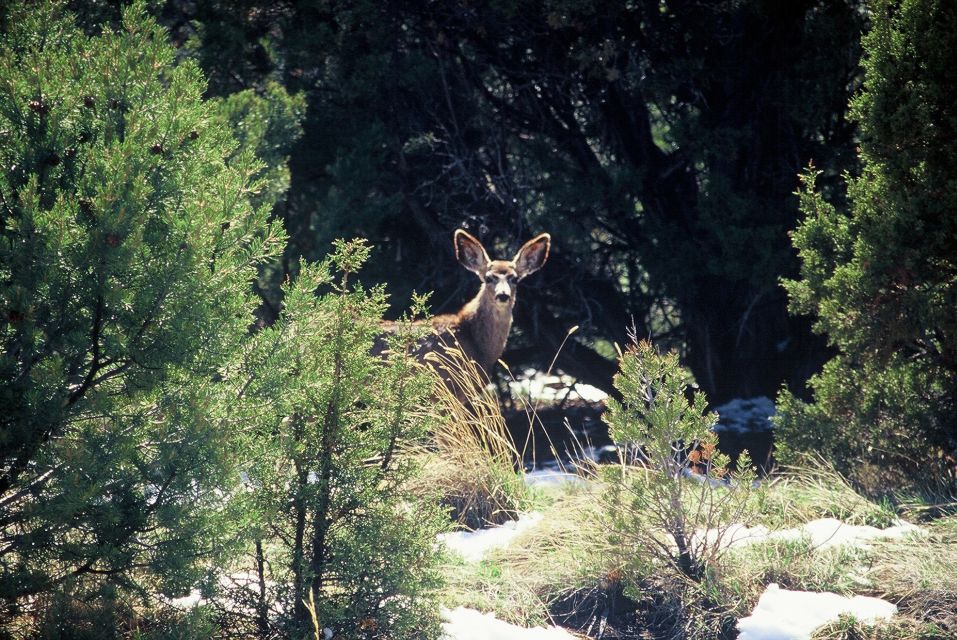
point(487, 324)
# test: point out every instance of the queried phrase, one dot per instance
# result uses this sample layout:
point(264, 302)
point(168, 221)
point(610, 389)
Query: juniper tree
point(128, 244)
point(328, 424)
point(881, 278)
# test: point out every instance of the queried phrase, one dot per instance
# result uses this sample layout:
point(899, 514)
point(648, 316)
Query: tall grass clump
point(473, 462)
point(812, 488)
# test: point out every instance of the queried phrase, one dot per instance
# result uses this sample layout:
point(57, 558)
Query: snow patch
point(746, 415)
point(822, 534)
point(551, 478)
point(605, 453)
point(468, 624)
point(794, 615)
point(185, 603)
point(474, 545)
point(537, 386)
point(828, 532)
point(246, 579)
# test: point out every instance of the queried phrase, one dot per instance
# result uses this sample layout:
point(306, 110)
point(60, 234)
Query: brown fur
point(482, 326)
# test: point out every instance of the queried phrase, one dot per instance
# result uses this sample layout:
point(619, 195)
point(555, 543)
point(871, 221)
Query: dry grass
point(564, 554)
point(793, 564)
point(847, 628)
point(915, 573)
point(918, 574)
point(472, 461)
point(814, 489)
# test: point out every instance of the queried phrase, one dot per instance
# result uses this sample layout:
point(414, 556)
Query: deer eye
point(512, 279)
point(490, 279)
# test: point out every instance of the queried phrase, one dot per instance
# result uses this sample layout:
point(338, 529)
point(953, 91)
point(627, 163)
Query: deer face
point(499, 277)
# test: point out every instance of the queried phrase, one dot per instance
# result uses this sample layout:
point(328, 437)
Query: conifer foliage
point(881, 278)
point(127, 248)
point(328, 422)
point(671, 496)
point(147, 436)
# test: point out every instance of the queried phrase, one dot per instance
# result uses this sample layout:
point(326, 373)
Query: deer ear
point(470, 253)
point(532, 255)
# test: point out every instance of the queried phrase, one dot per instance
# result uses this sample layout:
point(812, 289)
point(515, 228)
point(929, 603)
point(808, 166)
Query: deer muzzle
point(503, 292)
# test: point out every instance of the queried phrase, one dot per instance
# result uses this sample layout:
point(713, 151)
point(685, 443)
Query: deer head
point(500, 277)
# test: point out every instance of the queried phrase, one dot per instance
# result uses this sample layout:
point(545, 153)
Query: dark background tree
point(659, 144)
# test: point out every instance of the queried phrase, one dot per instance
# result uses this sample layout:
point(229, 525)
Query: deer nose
point(502, 291)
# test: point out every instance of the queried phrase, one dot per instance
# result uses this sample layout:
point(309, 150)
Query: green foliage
point(880, 278)
point(127, 248)
point(327, 425)
point(880, 424)
point(663, 505)
point(135, 217)
point(69, 615)
point(266, 124)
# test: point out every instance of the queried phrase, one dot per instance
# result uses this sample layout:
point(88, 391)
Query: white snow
point(597, 454)
point(745, 415)
point(794, 615)
point(828, 532)
point(548, 478)
point(469, 624)
point(247, 579)
point(822, 534)
point(474, 545)
point(537, 386)
point(185, 603)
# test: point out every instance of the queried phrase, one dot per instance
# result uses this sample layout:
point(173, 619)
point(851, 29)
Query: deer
point(481, 327)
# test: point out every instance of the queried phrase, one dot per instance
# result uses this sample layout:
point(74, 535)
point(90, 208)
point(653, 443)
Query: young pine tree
point(327, 422)
point(881, 279)
point(127, 248)
point(670, 500)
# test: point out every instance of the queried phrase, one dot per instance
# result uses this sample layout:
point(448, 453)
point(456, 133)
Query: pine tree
point(329, 423)
point(668, 497)
point(128, 244)
point(881, 279)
